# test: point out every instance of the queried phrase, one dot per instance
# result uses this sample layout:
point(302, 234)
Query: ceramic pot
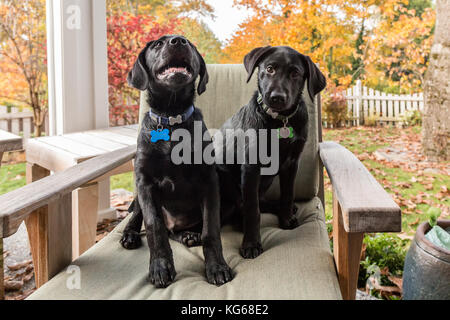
point(426, 274)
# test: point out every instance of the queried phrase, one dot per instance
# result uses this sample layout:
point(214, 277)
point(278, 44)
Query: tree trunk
point(436, 118)
point(38, 120)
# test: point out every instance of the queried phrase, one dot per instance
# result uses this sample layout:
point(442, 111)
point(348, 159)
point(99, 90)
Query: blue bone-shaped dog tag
point(160, 135)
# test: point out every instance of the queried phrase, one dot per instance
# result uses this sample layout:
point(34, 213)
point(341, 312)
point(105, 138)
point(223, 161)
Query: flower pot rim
point(420, 238)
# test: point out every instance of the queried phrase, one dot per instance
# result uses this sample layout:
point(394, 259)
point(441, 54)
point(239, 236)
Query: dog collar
point(285, 132)
point(171, 121)
point(273, 114)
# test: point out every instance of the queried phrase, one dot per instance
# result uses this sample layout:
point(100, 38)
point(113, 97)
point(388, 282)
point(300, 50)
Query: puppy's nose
point(277, 97)
point(178, 41)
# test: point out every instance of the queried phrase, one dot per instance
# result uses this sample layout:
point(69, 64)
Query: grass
point(12, 177)
point(123, 181)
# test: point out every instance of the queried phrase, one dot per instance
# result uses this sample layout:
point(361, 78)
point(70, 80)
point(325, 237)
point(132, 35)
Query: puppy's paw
point(218, 274)
point(290, 223)
point(162, 272)
point(251, 250)
point(131, 240)
point(191, 239)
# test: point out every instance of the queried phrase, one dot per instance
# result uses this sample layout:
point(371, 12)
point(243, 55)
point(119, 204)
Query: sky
point(227, 19)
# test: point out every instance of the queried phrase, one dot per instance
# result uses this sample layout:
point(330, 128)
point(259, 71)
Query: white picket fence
point(16, 122)
point(364, 103)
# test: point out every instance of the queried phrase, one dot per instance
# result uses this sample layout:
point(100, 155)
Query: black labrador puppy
point(177, 201)
point(278, 105)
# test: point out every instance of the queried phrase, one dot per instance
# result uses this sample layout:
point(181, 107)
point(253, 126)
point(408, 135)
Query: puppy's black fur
point(281, 78)
point(177, 201)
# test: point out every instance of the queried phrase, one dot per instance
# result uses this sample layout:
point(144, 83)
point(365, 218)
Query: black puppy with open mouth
point(277, 105)
point(177, 201)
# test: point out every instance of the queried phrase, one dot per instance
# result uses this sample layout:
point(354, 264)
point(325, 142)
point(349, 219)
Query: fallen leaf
point(405, 236)
point(397, 281)
point(13, 286)
point(19, 266)
point(414, 223)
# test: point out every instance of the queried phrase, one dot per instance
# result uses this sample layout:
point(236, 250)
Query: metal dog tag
point(177, 120)
point(272, 113)
point(285, 132)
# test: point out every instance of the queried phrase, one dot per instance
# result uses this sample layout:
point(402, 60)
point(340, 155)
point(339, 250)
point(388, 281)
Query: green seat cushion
point(296, 264)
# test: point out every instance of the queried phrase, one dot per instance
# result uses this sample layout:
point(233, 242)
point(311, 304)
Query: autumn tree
point(23, 76)
point(385, 43)
point(399, 46)
point(202, 37)
point(314, 28)
point(127, 36)
point(436, 122)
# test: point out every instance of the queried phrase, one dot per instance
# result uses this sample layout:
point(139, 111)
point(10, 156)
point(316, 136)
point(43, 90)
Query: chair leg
point(85, 211)
point(347, 254)
point(49, 232)
point(2, 278)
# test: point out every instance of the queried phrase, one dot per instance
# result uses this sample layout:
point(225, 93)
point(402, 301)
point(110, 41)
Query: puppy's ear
point(316, 79)
point(204, 76)
point(252, 60)
point(138, 76)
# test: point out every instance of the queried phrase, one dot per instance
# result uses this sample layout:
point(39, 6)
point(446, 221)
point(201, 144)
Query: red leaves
point(127, 36)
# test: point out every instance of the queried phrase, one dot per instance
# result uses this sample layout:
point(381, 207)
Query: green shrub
point(335, 108)
point(382, 250)
point(372, 120)
point(413, 118)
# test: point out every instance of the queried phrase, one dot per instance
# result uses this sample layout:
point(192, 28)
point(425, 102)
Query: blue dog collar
point(171, 121)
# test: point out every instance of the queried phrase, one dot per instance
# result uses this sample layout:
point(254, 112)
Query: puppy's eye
point(295, 74)
point(158, 44)
point(270, 70)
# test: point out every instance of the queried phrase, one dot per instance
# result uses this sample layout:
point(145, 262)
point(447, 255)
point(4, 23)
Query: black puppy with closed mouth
point(177, 201)
point(277, 104)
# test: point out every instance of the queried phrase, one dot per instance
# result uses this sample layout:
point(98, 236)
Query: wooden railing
point(18, 122)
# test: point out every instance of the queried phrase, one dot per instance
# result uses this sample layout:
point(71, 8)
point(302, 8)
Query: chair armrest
point(15, 206)
point(365, 205)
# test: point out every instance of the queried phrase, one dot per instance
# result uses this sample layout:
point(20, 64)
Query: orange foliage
point(395, 41)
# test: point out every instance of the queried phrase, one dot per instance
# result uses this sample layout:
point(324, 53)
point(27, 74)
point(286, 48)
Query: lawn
point(414, 184)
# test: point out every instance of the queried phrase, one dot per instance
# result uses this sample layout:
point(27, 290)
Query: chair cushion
point(296, 264)
point(227, 91)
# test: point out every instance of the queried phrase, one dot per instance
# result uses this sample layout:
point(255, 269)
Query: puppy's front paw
point(162, 272)
point(290, 223)
point(218, 274)
point(131, 240)
point(251, 250)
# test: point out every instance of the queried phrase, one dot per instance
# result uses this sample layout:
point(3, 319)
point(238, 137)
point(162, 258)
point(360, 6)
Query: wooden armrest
point(15, 206)
point(365, 205)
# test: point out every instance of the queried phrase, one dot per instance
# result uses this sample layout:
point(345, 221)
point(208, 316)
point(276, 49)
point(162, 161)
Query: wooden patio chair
point(296, 264)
